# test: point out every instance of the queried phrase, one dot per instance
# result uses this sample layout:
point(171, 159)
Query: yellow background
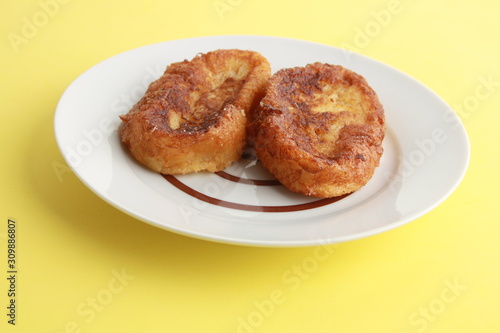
point(86, 267)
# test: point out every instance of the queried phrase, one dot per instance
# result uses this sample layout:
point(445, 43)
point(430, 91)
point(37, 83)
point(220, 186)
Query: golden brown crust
point(194, 117)
point(319, 130)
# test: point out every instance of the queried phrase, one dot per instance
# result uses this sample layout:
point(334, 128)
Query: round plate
point(426, 153)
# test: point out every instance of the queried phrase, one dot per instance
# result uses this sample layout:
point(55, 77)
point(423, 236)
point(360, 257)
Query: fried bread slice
point(319, 130)
point(194, 116)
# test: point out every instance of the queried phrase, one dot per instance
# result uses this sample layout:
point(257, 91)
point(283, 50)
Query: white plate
point(426, 154)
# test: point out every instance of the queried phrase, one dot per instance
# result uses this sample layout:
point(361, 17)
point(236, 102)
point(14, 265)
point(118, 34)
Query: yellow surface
point(83, 266)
